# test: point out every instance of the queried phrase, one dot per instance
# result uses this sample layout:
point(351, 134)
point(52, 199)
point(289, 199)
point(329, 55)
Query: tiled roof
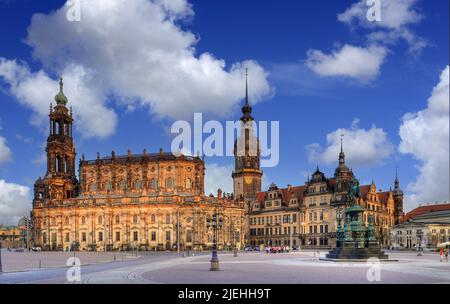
point(384, 196)
point(286, 194)
point(427, 209)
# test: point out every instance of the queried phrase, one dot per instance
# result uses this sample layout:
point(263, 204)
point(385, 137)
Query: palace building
point(306, 216)
point(150, 201)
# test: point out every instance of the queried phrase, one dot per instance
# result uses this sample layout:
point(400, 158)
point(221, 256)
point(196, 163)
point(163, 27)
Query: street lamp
point(419, 234)
point(215, 223)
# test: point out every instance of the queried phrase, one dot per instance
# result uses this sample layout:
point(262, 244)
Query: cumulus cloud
point(15, 202)
point(349, 61)
point(362, 147)
point(5, 151)
point(217, 176)
point(396, 18)
point(138, 52)
point(36, 91)
point(425, 135)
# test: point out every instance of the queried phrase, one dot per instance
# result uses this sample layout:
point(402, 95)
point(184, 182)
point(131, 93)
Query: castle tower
point(342, 176)
point(60, 181)
point(247, 173)
point(398, 201)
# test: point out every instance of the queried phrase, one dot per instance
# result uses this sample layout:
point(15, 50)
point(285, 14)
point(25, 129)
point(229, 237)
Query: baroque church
point(148, 201)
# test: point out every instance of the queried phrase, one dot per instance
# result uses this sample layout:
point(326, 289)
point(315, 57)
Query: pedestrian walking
point(446, 255)
point(441, 254)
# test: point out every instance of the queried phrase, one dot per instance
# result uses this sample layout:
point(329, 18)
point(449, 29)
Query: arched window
point(169, 183)
point(135, 219)
point(83, 220)
point(153, 184)
point(189, 236)
point(117, 219)
point(188, 183)
point(57, 127)
point(108, 186)
point(168, 219)
point(138, 184)
point(100, 220)
point(122, 185)
point(58, 164)
point(153, 219)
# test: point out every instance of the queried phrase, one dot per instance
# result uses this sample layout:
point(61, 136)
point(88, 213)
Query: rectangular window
point(167, 235)
point(83, 236)
point(321, 215)
point(326, 228)
point(135, 236)
point(153, 235)
point(310, 229)
point(294, 218)
point(321, 228)
point(315, 229)
point(100, 236)
point(117, 236)
point(67, 238)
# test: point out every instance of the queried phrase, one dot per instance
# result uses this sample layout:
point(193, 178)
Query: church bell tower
point(247, 173)
point(60, 181)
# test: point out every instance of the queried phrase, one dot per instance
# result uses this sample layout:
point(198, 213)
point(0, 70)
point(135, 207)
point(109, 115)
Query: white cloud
point(425, 135)
point(5, 151)
point(349, 61)
point(15, 202)
point(396, 18)
point(137, 52)
point(37, 90)
point(362, 147)
point(217, 176)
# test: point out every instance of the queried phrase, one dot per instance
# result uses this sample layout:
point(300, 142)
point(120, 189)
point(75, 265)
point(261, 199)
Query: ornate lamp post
point(215, 223)
point(419, 234)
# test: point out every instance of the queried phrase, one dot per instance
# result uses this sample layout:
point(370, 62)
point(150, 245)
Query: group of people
point(279, 249)
point(443, 253)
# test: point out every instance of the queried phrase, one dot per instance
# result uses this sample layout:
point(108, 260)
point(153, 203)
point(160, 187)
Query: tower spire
point(246, 109)
point(246, 86)
point(60, 98)
point(397, 182)
point(342, 154)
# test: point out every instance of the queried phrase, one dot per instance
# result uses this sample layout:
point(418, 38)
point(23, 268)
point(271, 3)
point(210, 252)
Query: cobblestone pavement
point(304, 267)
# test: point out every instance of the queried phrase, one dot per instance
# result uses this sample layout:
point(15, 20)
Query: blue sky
point(317, 67)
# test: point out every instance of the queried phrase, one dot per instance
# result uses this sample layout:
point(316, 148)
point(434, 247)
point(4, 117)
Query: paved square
point(258, 268)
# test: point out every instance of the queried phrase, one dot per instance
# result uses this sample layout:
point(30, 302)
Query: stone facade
point(151, 201)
